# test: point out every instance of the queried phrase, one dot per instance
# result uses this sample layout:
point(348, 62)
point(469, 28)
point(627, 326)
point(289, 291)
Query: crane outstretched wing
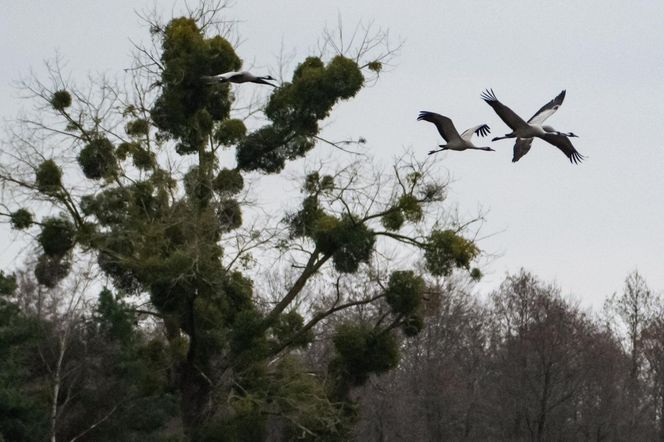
point(548, 109)
point(443, 124)
point(231, 76)
point(505, 113)
point(481, 130)
point(563, 143)
point(521, 147)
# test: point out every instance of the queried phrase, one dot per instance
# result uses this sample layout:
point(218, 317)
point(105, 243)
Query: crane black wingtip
point(484, 130)
point(424, 114)
point(576, 158)
point(488, 95)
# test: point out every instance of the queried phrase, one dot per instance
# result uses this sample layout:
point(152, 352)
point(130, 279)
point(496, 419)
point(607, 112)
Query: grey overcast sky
point(584, 227)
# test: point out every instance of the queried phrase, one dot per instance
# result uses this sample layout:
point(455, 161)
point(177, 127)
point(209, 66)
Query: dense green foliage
point(295, 109)
point(187, 108)
point(393, 220)
point(363, 350)
point(404, 292)
point(57, 236)
point(97, 159)
point(49, 270)
point(447, 250)
point(228, 182)
point(61, 100)
point(183, 343)
point(48, 177)
point(21, 219)
point(105, 366)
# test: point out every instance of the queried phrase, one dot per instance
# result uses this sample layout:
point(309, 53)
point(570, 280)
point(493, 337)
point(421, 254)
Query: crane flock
point(524, 131)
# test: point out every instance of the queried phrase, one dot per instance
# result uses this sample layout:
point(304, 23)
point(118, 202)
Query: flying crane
point(238, 77)
point(524, 131)
point(451, 135)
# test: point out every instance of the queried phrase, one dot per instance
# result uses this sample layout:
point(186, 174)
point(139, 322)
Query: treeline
point(526, 364)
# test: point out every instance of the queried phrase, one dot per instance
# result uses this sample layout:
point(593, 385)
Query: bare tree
point(542, 358)
point(436, 392)
point(652, 345)
point(631, 311)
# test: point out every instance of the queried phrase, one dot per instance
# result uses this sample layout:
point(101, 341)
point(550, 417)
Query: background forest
point(161, 301)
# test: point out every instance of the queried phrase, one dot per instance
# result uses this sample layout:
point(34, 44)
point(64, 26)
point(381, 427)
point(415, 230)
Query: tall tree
point(21, 416)
point(99, 163)
point(541, 359)
point(631, 312)
point(633, 308)
point(652, 341)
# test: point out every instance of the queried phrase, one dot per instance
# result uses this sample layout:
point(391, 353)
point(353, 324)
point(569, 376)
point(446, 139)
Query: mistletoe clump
point(362, 350)
point(295, 110)
point(97, 159)
point(48, 177)
point(404, 292)
point(410, 207)
point(57, 236)
point(21, 219)
point(230, 215)
point(230, 131)
point(393, 219)
point(60, 100)
point(446, 250)
point(51, 269)
point(228, 182)
point(188, 107)
point(350, 242)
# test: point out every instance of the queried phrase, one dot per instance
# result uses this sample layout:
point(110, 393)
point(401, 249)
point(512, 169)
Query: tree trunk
point(195, 386)
point(543, 405)
point(195, 393)
point(57, 380)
